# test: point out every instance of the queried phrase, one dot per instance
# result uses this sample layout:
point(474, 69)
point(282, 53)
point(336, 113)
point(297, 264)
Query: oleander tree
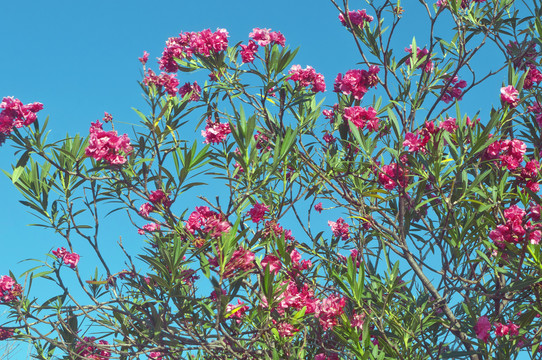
point(377, 219)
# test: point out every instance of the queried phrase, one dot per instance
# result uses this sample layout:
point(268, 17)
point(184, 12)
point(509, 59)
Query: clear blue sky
point(79, 58)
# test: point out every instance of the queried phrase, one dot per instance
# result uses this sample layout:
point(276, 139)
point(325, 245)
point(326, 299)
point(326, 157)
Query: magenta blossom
point(482, 328)
point(357, 18)
point(273, 262)
point(144, 58)
point(215, 132)
point(509, 94)
point(248, 51)
point(357, 82)
point(15, 114)
point(339, 228)
point(257, 212)
point(107, 145)
point(70, 259)
point(307, 77)
point(265, 37)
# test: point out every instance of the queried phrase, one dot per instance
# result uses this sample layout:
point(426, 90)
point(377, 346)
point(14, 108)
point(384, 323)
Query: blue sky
point(80, 59)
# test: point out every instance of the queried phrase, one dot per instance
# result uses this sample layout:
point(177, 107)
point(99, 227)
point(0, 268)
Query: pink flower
point(15, 114)
point(357, 18)
point(328, 138)
point(360, 116)
point(339, 228)
point(421, 54)
point(307, 77)
point(144, 58)
point(155, 355)
point(158, 197)
point(6, 283)
point(215, 132)
point(454, 89)
point(500, 329)
point(391, 176)
point(356, 321)
point(272, 262)
point(482, 328)
point(68, 258)
point(236, 311)
point(329, 311)
point(5, 333)
point(145, 209)
point(187, 44)
point(258, 212)
point(265, 37)
point(513, 328)
point(285, 329)
point(534, 76)
point(162, 82)
point(318, 207)
point(107, 145)
point(193, 89)
point(413, 142)
point(151, 227)
point(207, 221)
point(449, 125)
point(242, 261)
point(248, 51)
point(509, 94)
point(357, 82)
point(71, 259)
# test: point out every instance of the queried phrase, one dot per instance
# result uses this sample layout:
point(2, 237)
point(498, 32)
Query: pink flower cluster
point(262, 37)
point(357, 82)
point(70, 259)
point(187, 44)
point(215, 132)
point(208, 222)
point(483, 327)
point(509, 95)
point(15, 114)
point(155, 355)
point(272, 262)
point(354, 255)
point(418, 141)
point(152, 227)
point(107, 145)
point(517, 228)
point(424, 56)
point(257, 212)
point(272, 228)
point(9, 290)
point(393, 175)
point(454, 90)
point(5, 333)
point(88, 349)
point(307, 77)
point(339, 228)
point(329, 311)
point(236, 311)
point(157, 198)
point(509, 152)
point(524, 58)
point(143, 59)
point(265, 37)
point(362, 117)
point(193, 89)
point(357, 18)
point(241, 261)
point(163, 81)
